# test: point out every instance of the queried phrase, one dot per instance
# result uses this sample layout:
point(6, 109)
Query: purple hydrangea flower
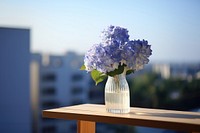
point(137, 54)
point(115, 36)
point(99, 58)
point(116, 49)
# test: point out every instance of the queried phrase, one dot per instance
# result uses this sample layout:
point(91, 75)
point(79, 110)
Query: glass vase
point(117, 94)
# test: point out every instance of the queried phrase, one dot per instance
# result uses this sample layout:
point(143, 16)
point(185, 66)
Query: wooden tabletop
point(168, 119)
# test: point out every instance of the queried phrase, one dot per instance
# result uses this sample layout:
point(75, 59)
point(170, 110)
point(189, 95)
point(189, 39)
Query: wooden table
point(88, 114)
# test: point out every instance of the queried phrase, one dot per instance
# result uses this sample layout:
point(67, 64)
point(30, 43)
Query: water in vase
point(118, 102)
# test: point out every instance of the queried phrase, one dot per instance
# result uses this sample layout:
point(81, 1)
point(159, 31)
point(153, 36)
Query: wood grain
point(167, 119)
point(85, 126)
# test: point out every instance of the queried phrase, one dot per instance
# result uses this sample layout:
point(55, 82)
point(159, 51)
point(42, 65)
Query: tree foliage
point(150, 90)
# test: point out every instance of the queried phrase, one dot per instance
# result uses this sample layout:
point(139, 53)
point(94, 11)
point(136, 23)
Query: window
point(77, 101)
point(49, 104)
point(49, 77)
point(96, 95)
point(77, 77)
point(49, 129)
point(76, 90)
point(49, 91)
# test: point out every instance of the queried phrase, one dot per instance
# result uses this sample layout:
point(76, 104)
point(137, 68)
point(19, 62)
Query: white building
point(163, 69)
point(58, 82)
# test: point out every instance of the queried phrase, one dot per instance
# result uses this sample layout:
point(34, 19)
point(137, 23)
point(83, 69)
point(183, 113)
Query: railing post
point(85, 126)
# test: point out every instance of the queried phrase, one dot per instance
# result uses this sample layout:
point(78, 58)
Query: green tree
point(150, 90)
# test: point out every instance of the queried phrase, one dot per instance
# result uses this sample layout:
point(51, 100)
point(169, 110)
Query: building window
point(96, 94)
point(47, 119)
point(49, 91)
point(77, 77)
point(76, 90)
point(49, 77)
point(49, 104)
point(73, 128)
point(77, 101)
point(49, 129)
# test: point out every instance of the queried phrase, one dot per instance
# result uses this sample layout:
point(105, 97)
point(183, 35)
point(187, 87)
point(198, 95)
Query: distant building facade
point(57, 81)
point(186, 71)
point(163, 69)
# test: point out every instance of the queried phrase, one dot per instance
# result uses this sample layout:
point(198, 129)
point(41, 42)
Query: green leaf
point(83, 67)
point(129, 72)
point(116, 71)
point(97, 76)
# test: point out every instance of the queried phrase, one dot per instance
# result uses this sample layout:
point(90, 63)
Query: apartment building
point(57, 81)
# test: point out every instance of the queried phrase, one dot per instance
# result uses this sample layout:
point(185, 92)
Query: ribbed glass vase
point(117, 94)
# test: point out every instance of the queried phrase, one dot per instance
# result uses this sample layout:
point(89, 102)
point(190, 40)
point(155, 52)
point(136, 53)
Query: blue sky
point(172, 27)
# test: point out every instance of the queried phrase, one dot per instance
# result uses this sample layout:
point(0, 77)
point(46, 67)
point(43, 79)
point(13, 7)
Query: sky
point(172, 27)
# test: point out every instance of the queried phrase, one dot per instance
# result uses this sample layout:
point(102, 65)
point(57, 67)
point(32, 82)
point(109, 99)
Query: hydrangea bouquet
point(115, 54)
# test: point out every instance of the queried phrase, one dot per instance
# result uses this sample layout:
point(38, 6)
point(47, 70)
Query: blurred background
point(42, 46)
